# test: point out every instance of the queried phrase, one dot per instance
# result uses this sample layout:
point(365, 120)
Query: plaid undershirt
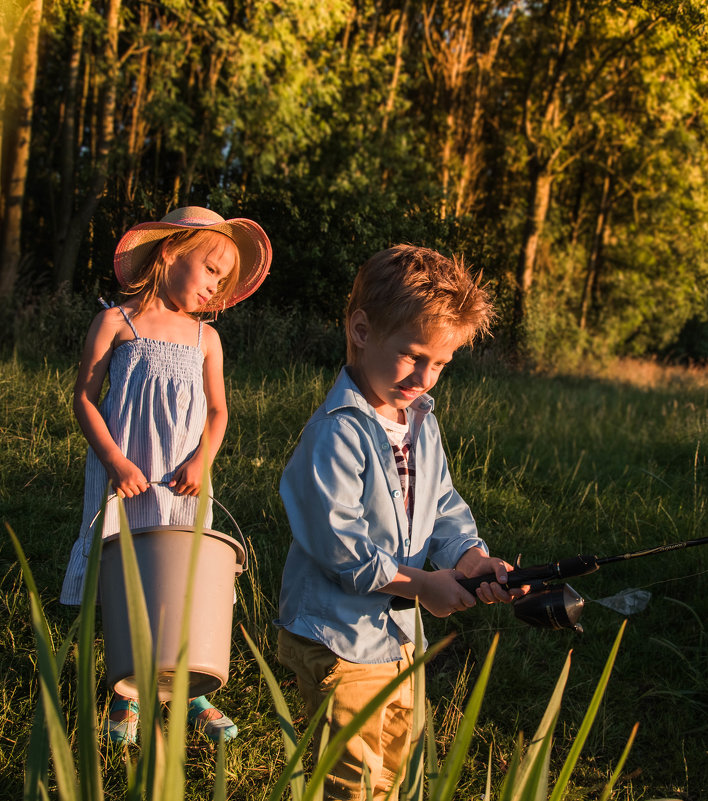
point(399, 436)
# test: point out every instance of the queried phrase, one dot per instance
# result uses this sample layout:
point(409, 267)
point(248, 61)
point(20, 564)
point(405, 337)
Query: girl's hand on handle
point(127, 478)
point(187, 479)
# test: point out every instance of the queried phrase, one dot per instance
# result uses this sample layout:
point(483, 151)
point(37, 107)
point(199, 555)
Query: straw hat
point(253, 245)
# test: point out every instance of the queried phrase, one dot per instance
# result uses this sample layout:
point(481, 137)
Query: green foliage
point(346, 127)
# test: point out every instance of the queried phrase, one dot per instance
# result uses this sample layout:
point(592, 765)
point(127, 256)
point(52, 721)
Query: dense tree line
point(559, 144)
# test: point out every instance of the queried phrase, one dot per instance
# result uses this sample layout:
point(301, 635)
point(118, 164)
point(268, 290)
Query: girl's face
point(192, 278)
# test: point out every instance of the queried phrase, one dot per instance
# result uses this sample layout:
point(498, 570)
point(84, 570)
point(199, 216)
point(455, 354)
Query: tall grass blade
point(414, 780)
point(588, 719)
point(533, 786)
point(338, 742)
point(533, 767)
point(37, 763)
point(176, 742)
point(220, 776)
point(607, 791)
point(432, 765)
point(294, 763)
point(148, 768)
point(366, 782)
point(324, 739)
point(89, 765)
point(292, 753)
point(512, 771)
point(488, 784)
point(49, 683)
point(447, 782)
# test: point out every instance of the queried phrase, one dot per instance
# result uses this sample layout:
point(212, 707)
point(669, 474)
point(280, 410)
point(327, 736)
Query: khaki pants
point(383, 741)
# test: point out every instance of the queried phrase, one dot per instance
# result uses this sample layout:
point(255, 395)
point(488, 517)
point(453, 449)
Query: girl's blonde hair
point(418, 287)
point(148, 280)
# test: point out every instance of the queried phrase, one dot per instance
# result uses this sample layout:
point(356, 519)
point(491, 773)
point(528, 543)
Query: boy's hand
point(126, 478)
point(441, 594)
point(475, 562)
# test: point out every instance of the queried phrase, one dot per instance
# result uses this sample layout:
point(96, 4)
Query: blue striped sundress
point(155, 410)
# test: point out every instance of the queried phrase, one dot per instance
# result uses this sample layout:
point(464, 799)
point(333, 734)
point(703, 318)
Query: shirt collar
point(346, 394)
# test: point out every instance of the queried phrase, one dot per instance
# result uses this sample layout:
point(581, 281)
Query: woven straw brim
point(254, 249)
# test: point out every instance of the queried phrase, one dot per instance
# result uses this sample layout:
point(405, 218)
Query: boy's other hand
point(441, 594)
point(475, 562)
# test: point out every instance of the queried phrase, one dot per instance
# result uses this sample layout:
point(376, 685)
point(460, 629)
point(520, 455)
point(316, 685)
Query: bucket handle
point(211, 497)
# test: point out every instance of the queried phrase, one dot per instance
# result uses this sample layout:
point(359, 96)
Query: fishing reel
point(549, 606)
point(556, 606)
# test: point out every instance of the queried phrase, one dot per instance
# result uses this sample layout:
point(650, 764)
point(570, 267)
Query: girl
point(165, 409)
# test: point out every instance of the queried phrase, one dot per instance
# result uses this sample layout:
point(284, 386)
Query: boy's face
point(392, 371)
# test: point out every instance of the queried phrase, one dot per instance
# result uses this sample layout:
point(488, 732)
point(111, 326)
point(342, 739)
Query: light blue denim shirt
point(342, 495)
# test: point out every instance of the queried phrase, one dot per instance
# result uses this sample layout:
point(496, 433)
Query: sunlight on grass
point(551, 466)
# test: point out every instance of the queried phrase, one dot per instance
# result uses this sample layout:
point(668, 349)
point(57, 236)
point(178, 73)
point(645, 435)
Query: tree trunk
point(539, 197)
point(70, 144)
point(80, 220)
point(8, 34)
point(393, 86)
point(595, 255)
point(137, 119)
point(18, 153)
point(470, 126)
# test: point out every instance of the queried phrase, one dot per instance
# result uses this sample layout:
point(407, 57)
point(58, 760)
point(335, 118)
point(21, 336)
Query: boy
point(369, 497)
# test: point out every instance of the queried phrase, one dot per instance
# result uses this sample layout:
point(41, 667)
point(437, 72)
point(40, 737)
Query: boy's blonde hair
point(153, 273)
point(413, 286)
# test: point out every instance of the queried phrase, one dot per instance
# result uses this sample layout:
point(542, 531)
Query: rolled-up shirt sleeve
point(323, 492)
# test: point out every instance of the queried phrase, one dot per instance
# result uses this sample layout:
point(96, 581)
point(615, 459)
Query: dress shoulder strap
point(199, 337)
point(129, 321)
point(112, 305)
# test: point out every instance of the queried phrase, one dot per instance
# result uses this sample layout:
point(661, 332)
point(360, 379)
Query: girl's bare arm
point(127, 479)
point(188, 477)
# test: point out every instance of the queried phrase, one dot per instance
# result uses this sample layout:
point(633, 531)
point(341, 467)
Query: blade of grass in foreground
point(431, 759)
point(533, 769)
point(338, 742)
point(446, 785)
point(174, 785)
point(89, 765)
point(584, 731)
point(220, 778)
point(292, 753)
point(49, 682)
point(607, 792)
point(37, 763)
point(414, 780)
point(149, 768)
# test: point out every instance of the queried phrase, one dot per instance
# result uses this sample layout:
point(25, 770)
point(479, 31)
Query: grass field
point(551, 465)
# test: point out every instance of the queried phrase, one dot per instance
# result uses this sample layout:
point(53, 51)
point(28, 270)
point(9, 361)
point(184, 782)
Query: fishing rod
point(554, 606)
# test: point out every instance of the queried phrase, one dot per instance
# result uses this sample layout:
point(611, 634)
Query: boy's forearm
point(408, 582)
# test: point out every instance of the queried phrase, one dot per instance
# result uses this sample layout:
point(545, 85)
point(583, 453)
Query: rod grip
point(565, 568)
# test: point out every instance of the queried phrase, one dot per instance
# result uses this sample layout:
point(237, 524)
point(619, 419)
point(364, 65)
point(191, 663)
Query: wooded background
point(559, 144)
